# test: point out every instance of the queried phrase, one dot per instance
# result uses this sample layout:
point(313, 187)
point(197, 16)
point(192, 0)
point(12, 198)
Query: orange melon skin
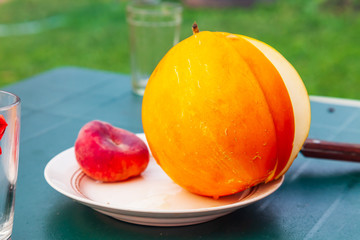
point(207, 119)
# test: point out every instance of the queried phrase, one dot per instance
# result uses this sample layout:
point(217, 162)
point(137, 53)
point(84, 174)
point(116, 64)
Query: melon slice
point(276, 94)
point(298, 95)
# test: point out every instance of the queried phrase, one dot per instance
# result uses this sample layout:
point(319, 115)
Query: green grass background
point(321, 38)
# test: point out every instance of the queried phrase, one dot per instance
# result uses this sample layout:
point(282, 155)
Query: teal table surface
point(319, 199)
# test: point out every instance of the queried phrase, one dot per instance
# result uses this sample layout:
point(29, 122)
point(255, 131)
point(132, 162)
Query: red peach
point(109, 154)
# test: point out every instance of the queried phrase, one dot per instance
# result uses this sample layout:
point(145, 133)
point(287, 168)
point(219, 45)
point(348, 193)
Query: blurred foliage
point(319, 37)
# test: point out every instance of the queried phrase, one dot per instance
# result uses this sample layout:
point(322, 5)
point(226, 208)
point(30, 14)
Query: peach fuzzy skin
point(110, 154)
point(207, 119)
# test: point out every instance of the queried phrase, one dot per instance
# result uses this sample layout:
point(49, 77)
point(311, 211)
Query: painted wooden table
point(319, 199)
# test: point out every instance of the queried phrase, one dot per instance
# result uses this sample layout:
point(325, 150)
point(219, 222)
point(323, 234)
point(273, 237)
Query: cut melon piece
point(298, 95)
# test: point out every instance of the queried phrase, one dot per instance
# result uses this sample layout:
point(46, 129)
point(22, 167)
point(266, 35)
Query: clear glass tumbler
point(9, 158)
point(154, 27)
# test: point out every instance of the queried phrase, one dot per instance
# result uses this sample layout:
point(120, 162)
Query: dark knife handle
point(331, 150)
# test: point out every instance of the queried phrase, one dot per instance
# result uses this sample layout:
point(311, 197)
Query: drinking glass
point(154, 27)
point(9, 157)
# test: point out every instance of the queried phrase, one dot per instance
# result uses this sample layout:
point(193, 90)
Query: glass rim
point(11, 105)
point(136, 7)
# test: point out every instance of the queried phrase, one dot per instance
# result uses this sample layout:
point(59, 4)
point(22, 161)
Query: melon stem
point(195, 28)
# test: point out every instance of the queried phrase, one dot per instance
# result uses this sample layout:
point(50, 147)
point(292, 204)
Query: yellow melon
point(219, 115)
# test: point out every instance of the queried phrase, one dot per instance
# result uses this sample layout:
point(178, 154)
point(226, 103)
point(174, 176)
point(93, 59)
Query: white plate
point(152, 199)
